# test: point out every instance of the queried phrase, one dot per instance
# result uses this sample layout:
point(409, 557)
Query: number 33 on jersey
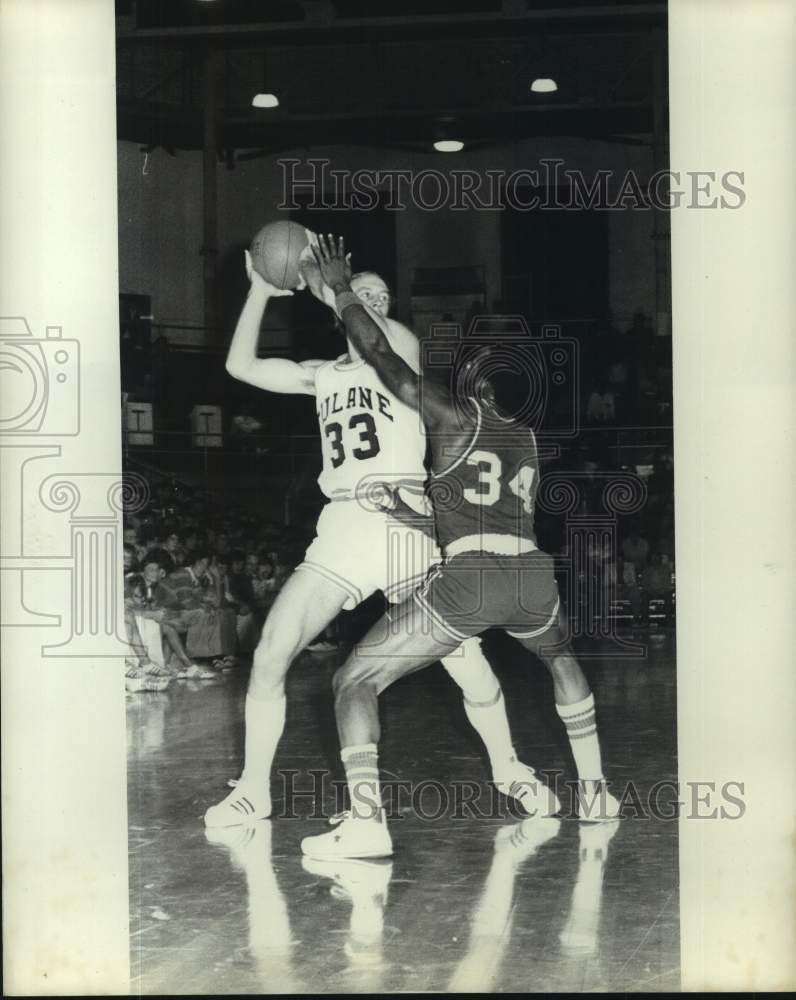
point(365, 430)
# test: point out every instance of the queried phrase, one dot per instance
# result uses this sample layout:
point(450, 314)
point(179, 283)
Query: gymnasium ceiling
point(393, 74)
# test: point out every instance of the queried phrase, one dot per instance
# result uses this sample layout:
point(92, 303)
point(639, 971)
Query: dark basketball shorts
point(475, 591)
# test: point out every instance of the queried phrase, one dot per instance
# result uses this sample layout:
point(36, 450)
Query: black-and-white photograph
point(396, 365)
point(396, 464)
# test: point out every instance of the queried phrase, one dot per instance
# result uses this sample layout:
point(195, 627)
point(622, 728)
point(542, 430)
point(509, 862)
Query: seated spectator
point(172, 544)
point(250, 568)
point(656, 580)
point(266, 585)
point(151, 605)
point(196, 592)
point(222, 545)
point(657, 583)
point(238, 595)
point(190, 542)
point(635, 550)
point(140, 673)
point(130, 556)
point(630, 590)
point(239, 583)
point(130, 535)
point(601, 406)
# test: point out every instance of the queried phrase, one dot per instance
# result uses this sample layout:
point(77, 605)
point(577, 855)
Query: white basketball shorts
point(364, 550)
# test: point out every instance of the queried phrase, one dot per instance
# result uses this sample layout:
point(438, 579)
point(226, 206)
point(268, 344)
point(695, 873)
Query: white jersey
point(367, 434)
point(369, 437)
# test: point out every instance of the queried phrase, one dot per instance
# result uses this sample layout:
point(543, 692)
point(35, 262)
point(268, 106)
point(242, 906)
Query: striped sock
point(361, 765)
point(580, 721)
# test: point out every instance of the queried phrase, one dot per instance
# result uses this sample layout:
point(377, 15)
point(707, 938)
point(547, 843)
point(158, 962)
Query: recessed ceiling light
point(544, 85)
point(265, 101)
point(448, 146)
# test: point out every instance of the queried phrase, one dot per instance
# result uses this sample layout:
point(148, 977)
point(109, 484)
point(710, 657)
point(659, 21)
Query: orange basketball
point(275, 253)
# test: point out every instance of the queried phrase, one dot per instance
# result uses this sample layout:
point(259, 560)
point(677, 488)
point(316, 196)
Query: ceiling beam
point(401, 25)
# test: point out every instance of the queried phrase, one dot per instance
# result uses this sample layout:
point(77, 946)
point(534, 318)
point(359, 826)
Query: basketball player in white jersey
point(367, 435)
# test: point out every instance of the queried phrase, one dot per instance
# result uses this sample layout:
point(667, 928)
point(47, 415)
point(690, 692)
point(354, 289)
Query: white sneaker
point(246, 844)
point(595, 803)
point(595, 838)
point(353, 878)
point(523, 840)
point(196, 672)
point(353, 838)
point(521, 783)
point(153, 669)
point(365, 885)
point(244, 804)
point(136, 684)
point(580, 935)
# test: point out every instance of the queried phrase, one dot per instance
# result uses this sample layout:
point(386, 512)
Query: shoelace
point(339, 817)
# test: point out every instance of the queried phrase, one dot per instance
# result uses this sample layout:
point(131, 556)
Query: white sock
point(361, 765)
point(490, 722)
point(265, 721)
point(483, 701)
point(580, 721)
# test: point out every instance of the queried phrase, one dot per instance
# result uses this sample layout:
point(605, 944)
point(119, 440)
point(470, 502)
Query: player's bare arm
point(273, 374)
point(368, 336)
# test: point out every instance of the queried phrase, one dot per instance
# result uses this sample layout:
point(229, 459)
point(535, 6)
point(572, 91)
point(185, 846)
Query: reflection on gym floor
point(466, 905)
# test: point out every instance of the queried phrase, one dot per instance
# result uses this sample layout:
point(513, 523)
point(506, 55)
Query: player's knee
point(353, 676)
point(468, 663)
point(270, 663)
point(275, 650)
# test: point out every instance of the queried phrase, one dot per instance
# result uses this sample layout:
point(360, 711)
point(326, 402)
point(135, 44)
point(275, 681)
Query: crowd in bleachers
point(199, 578)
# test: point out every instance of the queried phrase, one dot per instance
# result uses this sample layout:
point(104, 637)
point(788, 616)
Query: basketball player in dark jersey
point(484, 478)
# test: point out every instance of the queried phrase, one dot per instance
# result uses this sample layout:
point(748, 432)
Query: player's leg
point(469, 595)
point(485, 708)
point(575, 707)
point(400, 643)
point(303, 608)
point(482, 694)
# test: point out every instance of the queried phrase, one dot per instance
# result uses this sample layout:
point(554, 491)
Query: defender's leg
point(400, 643)
point(576, 709)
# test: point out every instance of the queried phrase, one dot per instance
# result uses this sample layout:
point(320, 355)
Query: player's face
point(373, 292)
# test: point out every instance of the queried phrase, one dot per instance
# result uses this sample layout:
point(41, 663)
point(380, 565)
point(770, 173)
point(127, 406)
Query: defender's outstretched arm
point(367, 334)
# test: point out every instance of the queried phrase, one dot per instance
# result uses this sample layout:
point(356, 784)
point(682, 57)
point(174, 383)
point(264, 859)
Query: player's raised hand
point(258, 281)
point(334, 263)
point(311, 274)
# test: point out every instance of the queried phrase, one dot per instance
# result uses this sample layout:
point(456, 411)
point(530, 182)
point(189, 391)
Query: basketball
point(275, 253)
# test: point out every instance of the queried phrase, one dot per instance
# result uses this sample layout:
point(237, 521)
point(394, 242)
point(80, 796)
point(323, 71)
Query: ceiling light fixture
point(265, 101)
point(544, 85)
point(448, 146)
